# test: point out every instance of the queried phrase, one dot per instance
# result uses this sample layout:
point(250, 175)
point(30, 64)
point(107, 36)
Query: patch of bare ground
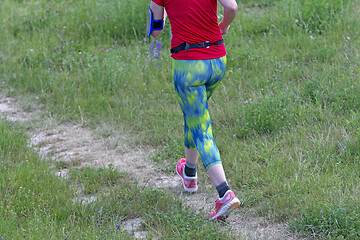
point(78, 146)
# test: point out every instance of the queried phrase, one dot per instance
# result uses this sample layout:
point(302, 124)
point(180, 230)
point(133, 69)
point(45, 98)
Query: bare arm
point(230, 10)
point(158, 13)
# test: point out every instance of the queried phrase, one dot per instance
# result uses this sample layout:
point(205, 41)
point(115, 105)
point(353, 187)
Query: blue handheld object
point(152, 24)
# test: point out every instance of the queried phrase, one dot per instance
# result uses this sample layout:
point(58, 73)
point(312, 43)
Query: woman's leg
point(218, 67)
point(217, 174)
point(191, 155)
point(190, 78)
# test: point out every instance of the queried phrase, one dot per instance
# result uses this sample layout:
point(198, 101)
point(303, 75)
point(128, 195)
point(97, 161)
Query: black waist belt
point(186, 46)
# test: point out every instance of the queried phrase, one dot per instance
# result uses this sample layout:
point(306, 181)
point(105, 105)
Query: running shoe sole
point(226, 209)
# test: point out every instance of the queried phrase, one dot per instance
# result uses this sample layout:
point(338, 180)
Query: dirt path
point(80, 146)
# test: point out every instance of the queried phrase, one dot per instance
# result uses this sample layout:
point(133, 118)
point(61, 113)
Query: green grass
point(37, 204)
point(285, 118)
point(327, 222)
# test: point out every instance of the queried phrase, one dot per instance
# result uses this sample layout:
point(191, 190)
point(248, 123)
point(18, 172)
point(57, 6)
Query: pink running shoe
point(189, 183)
point(224, 206)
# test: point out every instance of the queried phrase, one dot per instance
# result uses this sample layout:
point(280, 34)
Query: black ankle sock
point(222, 188)
point(190, 172)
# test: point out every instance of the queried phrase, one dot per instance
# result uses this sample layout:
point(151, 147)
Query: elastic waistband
point(186, 46)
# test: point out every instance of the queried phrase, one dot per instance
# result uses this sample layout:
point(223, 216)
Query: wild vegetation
point(285, 118)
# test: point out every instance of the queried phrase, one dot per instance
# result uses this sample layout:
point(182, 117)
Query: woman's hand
point(223, 29)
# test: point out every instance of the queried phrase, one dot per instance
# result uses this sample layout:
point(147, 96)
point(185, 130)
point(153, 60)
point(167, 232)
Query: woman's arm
point(230, 10)
point(158, 13)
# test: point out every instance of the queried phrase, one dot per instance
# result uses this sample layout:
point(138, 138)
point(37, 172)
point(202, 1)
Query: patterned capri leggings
point(195, 81)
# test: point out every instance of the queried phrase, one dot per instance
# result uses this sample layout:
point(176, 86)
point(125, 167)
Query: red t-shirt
point(194, 21)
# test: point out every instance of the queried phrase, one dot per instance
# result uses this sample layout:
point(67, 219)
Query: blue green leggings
point(195, 81)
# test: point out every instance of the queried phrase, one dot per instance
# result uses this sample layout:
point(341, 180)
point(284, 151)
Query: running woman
point(199, 64)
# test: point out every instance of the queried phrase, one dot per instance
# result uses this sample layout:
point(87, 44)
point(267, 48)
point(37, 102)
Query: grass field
point(286, 118)
point(37, 204)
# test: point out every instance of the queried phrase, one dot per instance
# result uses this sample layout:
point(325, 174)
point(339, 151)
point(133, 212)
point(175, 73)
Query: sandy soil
point(80, 146)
